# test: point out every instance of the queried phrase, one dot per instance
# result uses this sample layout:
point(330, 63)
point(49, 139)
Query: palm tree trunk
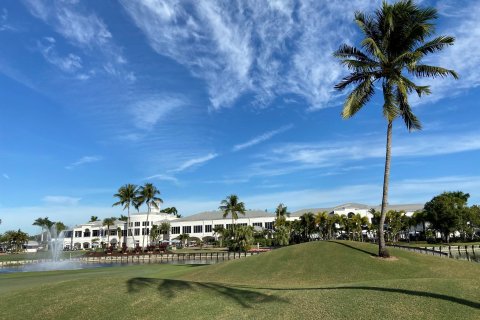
point(128, 226)
point(143, 235)
point(108, 236)
point(382, 249)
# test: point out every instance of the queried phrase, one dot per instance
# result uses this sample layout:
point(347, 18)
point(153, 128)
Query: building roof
point(218, 215)
point(399, 207)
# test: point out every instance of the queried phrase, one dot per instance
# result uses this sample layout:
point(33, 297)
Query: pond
point(76, 265)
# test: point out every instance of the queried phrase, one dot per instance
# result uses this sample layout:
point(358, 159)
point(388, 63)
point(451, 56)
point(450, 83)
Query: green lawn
point(318, 280)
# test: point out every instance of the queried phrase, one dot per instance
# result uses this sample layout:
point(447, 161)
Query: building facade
point(201, 225)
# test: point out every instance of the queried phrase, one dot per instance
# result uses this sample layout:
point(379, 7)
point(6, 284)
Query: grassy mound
point(329, 280)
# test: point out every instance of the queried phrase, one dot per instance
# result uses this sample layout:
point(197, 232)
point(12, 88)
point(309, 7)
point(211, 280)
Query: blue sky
point(209, 98)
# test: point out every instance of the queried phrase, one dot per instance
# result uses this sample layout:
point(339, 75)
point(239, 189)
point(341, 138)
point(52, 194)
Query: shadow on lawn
point(355, 248)
point(439, 296)
point(169, 288)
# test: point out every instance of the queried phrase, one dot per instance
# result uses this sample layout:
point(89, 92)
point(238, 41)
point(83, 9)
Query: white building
point(199, 225)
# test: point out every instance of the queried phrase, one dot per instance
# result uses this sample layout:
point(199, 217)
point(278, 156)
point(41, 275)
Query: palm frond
point(423, 70)
point(355, 78)
point(371, 46)
point(411, 87)
point(435, 45)
point(346, 51)
point(411, 121)
point(358, 98)
point(390, 110)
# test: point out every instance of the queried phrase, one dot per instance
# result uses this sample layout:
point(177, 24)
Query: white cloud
point(261, 138)
point(148, 112)
point(83, 29)
point(61, 200)
point(268, 48)
point(69, 63)
point(162, 177)
point(83, 160)
point(6, 176)
point(195, 162)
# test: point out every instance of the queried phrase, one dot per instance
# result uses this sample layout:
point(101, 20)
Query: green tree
point(171, 210)
point(148, 194)
point(123, 218)
point(281, 214)
point(307, 223)
point(165, 230)
point(445, 211)
point(184, 238)
point(15, 240)
point(154, 234)
point(93, 218)
point(395, 43)
point(108, 222)
point(127, 196)
point(243, 238)
point(232, 206)
point(45, 224)
point(60, 226)
point(282, 235)
point(219, 232)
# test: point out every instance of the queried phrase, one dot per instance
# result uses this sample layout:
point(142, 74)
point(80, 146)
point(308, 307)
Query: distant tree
point(357, 223)
point(322, 222)
point(15, 240)
point(395, 221)
point(93, 219)
point(445, 211)
point(148, 194)
point(109, 222)
point(395, 42)
point(184, 238)
point(232, 206)
point(281, 215)
point(127, 196)
point(307, 223)
point(165, 230)
point(219, 232)
point(45, 224)
point(243, 238)
point(154, 233)
point(282, 235)
point(171, 210)
point(123, 218)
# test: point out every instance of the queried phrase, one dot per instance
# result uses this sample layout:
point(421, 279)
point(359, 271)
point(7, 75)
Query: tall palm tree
point(148, 194)
point(164, 230)
point(109, 222)
point(395, 43)
point(231, 206)
point(45, 224)
point(171, 210)
point(93, 218)
point(127, 196)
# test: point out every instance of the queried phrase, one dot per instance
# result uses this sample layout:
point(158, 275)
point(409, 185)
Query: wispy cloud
point(82, 161)
point(261, 138)
point(162, 177)
point(292, 157)
point(83, 29)
point(148, 112)
point(195, 162)
point(61, 200)
point(69, 63)
point(4, 24)
point(6, 176)
point(268, 48)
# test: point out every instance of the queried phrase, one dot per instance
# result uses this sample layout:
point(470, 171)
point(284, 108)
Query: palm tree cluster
point(396, 41)
point(132, 195)
point(13, 241)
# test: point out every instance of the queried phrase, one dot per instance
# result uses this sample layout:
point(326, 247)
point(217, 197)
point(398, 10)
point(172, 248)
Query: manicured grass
point(318, 280)
point(39, 255)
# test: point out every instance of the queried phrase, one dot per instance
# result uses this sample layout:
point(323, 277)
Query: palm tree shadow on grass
point(355, 248)
point(169, 288)
point(465, 302)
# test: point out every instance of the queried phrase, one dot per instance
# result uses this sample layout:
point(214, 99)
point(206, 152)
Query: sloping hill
point(333, 262)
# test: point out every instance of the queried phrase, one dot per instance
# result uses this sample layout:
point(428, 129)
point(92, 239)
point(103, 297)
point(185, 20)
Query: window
point(197, 229)
point(187, 229)
point(145, 223)
point(257, 224)
point(68, 234)
point(95, 233)
point(113, 232)
point(78, 234)
point(242, 224)
point(130, 224)
point(145, 231)
point(175, 230)
point(86, 233)
point(208, 228)
point(217, 226)
point(137, 231)
point(229, 226)
point(129, 232)
point(124, 233)
point(269, 225)
point(137, 224)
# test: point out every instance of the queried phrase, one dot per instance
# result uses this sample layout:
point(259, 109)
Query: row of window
point(208, 228)
point(174, 230)
point(144, 223)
